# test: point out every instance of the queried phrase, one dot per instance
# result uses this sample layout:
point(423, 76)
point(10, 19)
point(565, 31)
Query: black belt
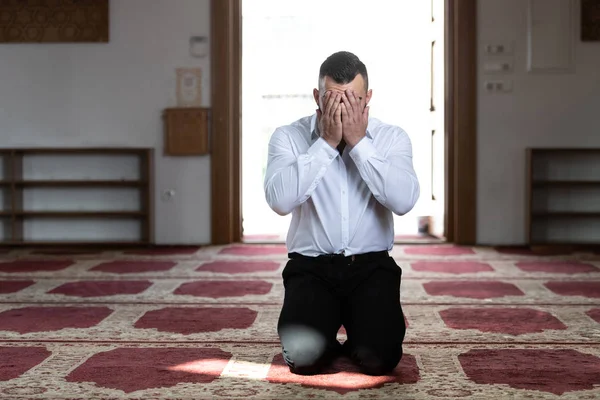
point(333, 258)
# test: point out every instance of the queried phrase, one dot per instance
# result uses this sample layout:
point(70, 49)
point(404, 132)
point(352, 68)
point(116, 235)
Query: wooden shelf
point(81, 150)
point(77, 183)
point(562, 150)
point(579, 243)
point(67, 243)
point(567, 214)
point(565, 183)
point(547, 169)
point(80, 214)
point(33, 210)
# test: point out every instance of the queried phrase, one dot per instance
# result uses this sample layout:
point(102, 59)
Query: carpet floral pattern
point(200, 323)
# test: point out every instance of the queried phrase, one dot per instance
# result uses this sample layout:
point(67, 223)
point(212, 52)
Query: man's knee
point(377, 363)
point(304, 350)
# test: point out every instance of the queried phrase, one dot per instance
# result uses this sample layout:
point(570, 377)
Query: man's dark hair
point(343, 67)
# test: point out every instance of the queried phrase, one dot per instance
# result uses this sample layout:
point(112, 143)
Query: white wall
point(112, 95)
point(72, 95)
point(543, 110)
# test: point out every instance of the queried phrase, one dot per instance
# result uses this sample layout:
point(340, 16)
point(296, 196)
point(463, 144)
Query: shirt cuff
point(322, 151)
point(363, 150)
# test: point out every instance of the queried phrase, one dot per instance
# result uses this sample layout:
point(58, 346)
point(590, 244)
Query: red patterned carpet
point(194, 323)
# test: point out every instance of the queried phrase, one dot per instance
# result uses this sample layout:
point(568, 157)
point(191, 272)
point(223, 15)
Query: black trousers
point(323, 293)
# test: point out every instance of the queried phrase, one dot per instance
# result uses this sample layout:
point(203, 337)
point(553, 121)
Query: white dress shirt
point(340, 203)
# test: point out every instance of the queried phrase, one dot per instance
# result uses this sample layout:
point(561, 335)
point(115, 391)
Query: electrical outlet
point(497, 67)
point(167, 195)
point(504, 86)
point(499, 48)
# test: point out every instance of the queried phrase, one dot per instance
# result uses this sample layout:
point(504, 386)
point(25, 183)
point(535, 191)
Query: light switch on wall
point(199, 46)
point(497, 67)
point(500, 86)
point(498, 49)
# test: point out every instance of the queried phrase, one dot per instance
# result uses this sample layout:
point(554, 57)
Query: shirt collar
point(314, 129)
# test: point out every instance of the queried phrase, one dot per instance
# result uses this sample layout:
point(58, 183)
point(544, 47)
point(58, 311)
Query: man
point(341, 174)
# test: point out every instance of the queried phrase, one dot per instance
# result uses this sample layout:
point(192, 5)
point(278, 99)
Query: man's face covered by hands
point(329, 85)
point(343, 112)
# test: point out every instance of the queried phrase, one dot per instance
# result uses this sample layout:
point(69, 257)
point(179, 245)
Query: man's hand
point(330, 120)
point(355, 118)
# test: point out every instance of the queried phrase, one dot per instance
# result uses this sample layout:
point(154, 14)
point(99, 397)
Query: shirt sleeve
point(290, 178)
point(390, 177)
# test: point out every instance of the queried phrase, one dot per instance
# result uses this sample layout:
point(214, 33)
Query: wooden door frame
point(226, 151)
point(460, 223)
point(461, 122)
